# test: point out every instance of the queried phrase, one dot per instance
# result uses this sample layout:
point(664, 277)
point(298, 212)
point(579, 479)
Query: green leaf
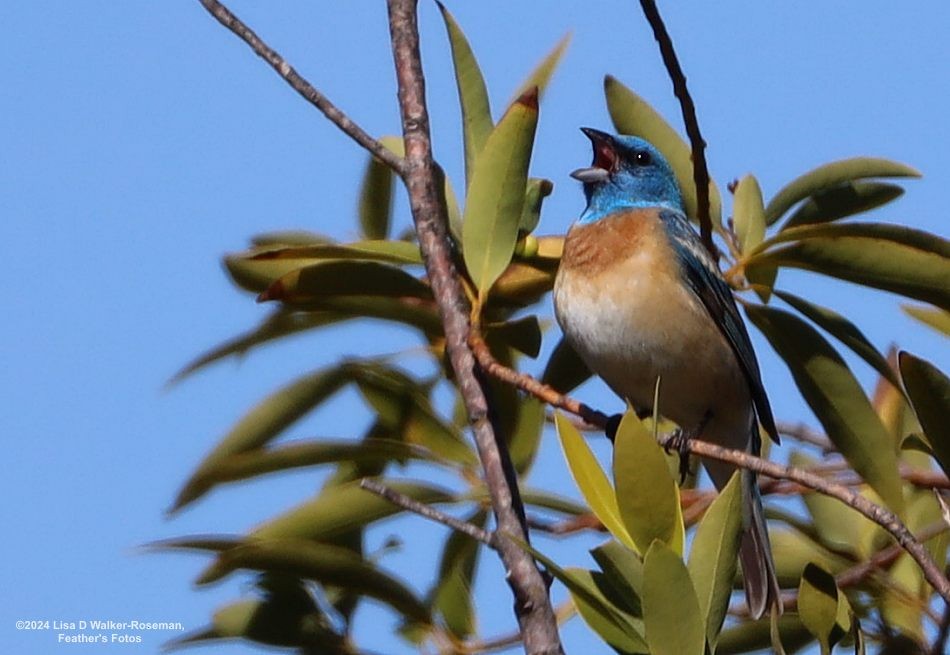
point(748, 213)
point(523, 334)
point(623, 572)
point(838, 526)
point(671, 611)
point(831, 175)
point(631, 114)
point(616, 627)
point(929, 391)
point(537, 190)
point(818, 604)
point(451, 597)
point(376, 200)
point(344, 278)
point(496, 194)
point(473, 95)
point(842, 201)
point(261, 461)
point(938, 319)
point(323, 563)
point(279, 324)
point(394, 252)
point(549, 501)
point(713, 557)
point(403, 407)
point(755, 636)
point(541, 75)
point(265, 421)
point(845, 331)
point(793, 551)
point(592, 481)
point(565, 370)
point(647, 495)
point(889, 257)
point(287, 238)
point(900, 605)
point(836, 397)
point(526, 437)
point(345, 507)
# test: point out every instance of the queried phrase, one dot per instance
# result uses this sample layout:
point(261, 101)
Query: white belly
point(633, 324)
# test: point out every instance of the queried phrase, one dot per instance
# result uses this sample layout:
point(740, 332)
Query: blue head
point(627, 172)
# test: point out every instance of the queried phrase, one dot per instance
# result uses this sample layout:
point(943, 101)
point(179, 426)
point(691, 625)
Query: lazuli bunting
point(639, 298)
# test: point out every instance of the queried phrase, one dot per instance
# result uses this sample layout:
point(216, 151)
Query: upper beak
point(605, 158)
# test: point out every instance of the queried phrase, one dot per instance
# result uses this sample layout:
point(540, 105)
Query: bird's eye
point(642, 158)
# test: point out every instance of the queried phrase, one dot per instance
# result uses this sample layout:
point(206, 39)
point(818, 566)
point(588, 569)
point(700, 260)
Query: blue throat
point(627, 192)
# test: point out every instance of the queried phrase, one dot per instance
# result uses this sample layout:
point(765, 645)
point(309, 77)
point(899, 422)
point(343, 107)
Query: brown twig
point(805, 434)
point(700, 170)
point(426, 511)
point(224, 16)
point(883, 517)
point(532, 604)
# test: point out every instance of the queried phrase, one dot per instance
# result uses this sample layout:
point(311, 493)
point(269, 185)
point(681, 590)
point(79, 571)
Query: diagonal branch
point(700, 170)
point(224, 16)
point(532, 604)
point(883, 517)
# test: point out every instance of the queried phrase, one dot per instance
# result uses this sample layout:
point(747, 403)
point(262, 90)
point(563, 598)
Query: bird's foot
point(679, 442)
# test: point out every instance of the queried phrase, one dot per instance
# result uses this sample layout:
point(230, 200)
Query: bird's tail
point(755, 554)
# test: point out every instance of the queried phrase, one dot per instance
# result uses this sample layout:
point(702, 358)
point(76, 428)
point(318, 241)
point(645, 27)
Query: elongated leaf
point(592, 482)
point(288, 238)
point(898, 608)
point(631, 114)
point(619, 629)
point(279, 324)
point(345, 278)
point(338, 509)
point(403, 407)
point(793, 551)
point(523, 334)
point(755, 636)
point(542, 73)
point(938, 319)
point(837, 525)
point(748, 213)
point(496, 193)
point(829, 176)
point(537, 190)
point(647, 495)
point(394, 252)
point(845, 331)
point(376, 200)
point(473, 95)
point(818, 604)
point(325, 564)
point(549, 501)
point(565, 370)
point(712, 559)
point(451, 597)
point(890, 257)
point(842, 201)
point(623, 571)
point(526, 437)
point(831, 390)
point(929, 391)
point(265, 421)
point(262, 461)
point(521, 284)
point(671, 613)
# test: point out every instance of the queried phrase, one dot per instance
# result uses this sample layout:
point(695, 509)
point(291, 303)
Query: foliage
point(648, 592)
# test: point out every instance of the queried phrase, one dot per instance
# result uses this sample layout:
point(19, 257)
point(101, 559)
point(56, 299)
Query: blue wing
point(703, 277)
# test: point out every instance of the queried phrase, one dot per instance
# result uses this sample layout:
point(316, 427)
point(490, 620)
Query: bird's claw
point(679, 441)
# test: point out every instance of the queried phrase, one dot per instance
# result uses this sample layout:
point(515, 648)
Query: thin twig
point(532, 604)
point(883, 517)
point(700, 170)
point(302, 86)
point(431, 513)
point(805, 434)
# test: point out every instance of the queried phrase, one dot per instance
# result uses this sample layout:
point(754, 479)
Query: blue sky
point(141, 142)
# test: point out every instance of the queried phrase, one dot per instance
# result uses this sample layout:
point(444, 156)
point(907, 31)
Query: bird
point(639, 298)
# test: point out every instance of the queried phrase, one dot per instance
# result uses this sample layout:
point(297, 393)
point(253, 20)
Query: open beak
point(605, 158)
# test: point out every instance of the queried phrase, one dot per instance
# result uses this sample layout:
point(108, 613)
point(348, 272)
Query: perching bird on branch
point(639, 298)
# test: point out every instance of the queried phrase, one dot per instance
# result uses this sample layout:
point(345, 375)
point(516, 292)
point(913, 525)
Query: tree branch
point(700, 170)
point(883, 517)
point(224, 16)
point(431, 513)
point(532, 604)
